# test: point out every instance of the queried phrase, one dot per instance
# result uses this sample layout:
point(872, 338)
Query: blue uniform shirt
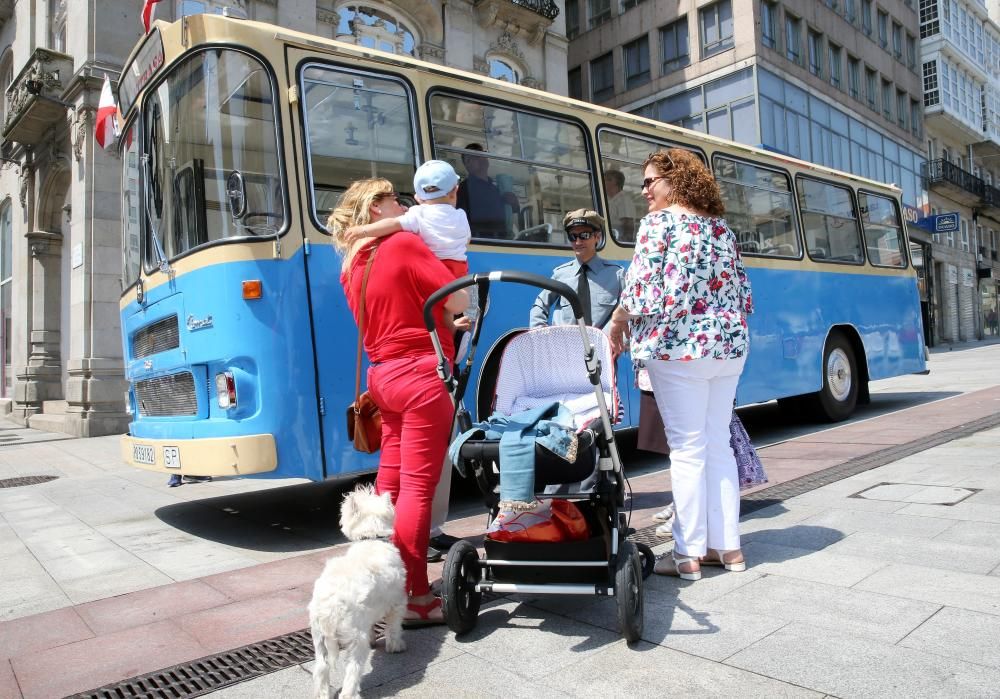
point(605, 287)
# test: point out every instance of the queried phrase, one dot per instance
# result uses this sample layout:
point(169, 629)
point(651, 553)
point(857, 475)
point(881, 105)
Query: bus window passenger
point(481, 198)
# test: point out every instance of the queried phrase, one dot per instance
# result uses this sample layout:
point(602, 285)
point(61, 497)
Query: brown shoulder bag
point(364, 421)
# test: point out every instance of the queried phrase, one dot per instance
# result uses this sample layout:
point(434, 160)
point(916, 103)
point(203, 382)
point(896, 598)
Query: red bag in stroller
point(550, 521)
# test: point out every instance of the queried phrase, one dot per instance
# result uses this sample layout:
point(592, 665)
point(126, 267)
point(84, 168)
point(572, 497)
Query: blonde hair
point(354, 209)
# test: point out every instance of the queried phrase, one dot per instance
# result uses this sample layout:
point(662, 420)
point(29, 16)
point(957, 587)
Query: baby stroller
point(605, 563)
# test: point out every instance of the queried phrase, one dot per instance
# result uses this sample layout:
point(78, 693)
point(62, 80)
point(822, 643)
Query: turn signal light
point(252, 289)
point(225, 389)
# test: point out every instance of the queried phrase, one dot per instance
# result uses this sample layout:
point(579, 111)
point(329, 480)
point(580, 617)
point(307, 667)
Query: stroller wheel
point(459, 596)
point(648, 559)
point(628, 592)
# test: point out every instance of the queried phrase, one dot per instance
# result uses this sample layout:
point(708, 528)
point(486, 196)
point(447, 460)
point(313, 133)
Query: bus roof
point(206, 22)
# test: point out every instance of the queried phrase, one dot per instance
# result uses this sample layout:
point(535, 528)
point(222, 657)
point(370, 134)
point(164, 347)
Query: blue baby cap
point(434, 179)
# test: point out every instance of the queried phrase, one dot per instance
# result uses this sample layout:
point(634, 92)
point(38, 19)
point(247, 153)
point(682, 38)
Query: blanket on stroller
point(549, 426)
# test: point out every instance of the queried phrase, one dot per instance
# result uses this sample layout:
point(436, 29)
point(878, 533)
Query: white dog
point(356, 591)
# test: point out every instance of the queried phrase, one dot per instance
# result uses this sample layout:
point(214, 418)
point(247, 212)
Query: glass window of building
point(911, 51)
point(759, 208)
point(965, 235)
point(521, 171)
point(674, 51)
point(887, 99)
point(932, 95)
point(816, 53)
point(883, 230)
point(724, 107)
point(854, 77)
point(902, 108)
point(866, 17)
point(836, 66)
point(851, 11)
point(502, 70)
point(635, 55)
point(629, 4)
point(716, 22)
point(829, 222)
point(769, 24)
point(871, 87)
point(599, 12)
point(575, 83)
point(883, 29)
point(572, 18)
point(602, 78)
point(793, 38)
point(375, 29)
point(897, 41)
point(929, 20)
point(915, 118)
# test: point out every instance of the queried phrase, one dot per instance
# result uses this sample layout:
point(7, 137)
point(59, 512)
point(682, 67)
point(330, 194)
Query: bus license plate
point(143, 454)
point(171, 457)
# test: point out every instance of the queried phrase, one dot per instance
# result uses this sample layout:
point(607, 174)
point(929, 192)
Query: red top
point(404, 274)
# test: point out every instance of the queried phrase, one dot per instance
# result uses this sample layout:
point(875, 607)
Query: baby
point(442, 226)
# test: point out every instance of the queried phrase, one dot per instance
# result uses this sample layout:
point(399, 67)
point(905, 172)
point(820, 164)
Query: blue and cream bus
point(238, 138)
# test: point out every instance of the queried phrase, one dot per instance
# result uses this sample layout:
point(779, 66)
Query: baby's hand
point(464, 323)
point(354, 233)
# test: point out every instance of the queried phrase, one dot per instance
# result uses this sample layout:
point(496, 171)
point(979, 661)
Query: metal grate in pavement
point(25, 480)
point(209, 674)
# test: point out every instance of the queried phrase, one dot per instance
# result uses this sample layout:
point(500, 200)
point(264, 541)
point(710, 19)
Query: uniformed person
point(598, 283)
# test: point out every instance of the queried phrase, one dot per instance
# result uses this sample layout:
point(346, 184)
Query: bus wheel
point(839, 395)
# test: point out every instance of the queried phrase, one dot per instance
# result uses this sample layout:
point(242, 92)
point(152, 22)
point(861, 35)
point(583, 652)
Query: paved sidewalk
point(865, 586)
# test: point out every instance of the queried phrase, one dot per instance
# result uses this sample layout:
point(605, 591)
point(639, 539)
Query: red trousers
point(416, 426)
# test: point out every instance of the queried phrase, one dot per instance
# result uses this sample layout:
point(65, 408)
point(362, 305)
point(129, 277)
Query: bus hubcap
point(838, 375)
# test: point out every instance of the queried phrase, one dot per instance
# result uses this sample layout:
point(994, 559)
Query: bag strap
point(361, 329)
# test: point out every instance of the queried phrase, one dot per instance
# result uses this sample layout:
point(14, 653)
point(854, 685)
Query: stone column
point(40, 379)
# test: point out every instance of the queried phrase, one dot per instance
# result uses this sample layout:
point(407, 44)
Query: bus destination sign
point(148, 60)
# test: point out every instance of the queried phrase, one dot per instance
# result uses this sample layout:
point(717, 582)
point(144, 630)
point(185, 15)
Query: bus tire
point(839, 395)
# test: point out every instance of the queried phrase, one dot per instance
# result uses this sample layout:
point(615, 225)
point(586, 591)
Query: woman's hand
point(618, 334)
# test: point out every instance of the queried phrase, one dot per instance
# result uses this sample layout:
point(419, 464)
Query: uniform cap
point(434, 179)
point(584, 217)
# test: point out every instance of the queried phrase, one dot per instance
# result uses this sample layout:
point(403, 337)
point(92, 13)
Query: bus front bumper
point(221, 456)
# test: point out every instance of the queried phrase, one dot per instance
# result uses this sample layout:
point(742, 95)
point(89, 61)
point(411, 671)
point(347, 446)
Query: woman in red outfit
point(402, 378)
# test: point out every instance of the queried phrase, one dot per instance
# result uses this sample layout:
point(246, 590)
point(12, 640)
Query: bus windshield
point(211, 167)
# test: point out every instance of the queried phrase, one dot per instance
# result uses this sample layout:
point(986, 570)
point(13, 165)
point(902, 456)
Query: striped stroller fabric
point(548, 364)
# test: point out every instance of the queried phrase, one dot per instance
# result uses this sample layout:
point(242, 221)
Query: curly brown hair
point(691, 183)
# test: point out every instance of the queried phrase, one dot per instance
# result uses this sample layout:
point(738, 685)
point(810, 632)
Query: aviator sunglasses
point(585, 235)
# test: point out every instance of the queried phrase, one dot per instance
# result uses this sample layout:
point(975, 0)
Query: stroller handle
point(526, 278)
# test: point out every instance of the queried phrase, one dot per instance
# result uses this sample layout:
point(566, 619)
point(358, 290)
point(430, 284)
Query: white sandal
point(720, 560)
point(670, 564)
point(665, 515)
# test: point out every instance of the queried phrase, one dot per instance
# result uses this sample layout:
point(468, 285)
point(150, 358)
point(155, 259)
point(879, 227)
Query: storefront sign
point(940, 223)
point(968, 277)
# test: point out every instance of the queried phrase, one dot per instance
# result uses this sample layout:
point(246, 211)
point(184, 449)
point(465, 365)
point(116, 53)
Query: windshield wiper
point(161, 255)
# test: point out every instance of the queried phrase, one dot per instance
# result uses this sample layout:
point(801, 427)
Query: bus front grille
point(156, 337)
point(167, 396)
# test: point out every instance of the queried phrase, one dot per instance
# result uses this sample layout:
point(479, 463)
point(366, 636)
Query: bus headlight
point(225, 389)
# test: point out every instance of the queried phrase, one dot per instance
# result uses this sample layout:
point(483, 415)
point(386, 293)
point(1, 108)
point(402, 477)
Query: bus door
point(355, 124)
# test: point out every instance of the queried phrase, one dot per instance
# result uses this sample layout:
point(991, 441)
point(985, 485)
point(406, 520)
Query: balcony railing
point(546, 8)
point(991, 196)
point(942, 171)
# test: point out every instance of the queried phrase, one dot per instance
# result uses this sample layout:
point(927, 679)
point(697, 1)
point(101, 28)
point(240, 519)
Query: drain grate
point(209, 674)
point(25, 480)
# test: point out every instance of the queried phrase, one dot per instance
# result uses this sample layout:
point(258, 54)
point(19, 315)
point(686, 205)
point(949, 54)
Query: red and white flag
point(106, 130)
point(148, 13)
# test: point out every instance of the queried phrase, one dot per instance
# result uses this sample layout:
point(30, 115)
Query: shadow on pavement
point(301, 517)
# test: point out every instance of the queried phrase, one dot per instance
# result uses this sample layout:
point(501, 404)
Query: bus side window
point(520, 172)
point(622, 156)
point(883, 232)
point(759, 207)
point(358, 126)
point(831, 227)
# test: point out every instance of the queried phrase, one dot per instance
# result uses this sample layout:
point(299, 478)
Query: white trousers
point(695, 399)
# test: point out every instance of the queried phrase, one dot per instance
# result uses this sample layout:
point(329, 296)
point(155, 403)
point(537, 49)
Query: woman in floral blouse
point(684, 308)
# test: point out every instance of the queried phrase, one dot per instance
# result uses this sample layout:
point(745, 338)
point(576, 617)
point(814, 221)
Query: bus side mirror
point(237, 192)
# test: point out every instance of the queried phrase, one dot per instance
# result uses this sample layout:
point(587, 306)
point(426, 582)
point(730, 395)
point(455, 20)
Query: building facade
point(60, 194)
point(960, 63)
point(836, 82)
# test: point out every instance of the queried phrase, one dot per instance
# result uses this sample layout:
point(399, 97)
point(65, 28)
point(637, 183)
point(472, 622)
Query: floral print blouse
point(688, 287)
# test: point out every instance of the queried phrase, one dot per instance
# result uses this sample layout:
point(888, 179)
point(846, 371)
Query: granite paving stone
point(843, 664)
point(647, 670)
point(41, 631)
point(938, 585)
point(959, 633)
point(805, 564)
point(291, 683)
point(8, 683)
point(966, 511)
point(149, 606)
point(108, 583)
point(267, 577)
point(863, 613)
point(971, 533)
point(847, 522)
point(928, 552)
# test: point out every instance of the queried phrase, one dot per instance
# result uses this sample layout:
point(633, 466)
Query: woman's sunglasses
point(584, 235)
